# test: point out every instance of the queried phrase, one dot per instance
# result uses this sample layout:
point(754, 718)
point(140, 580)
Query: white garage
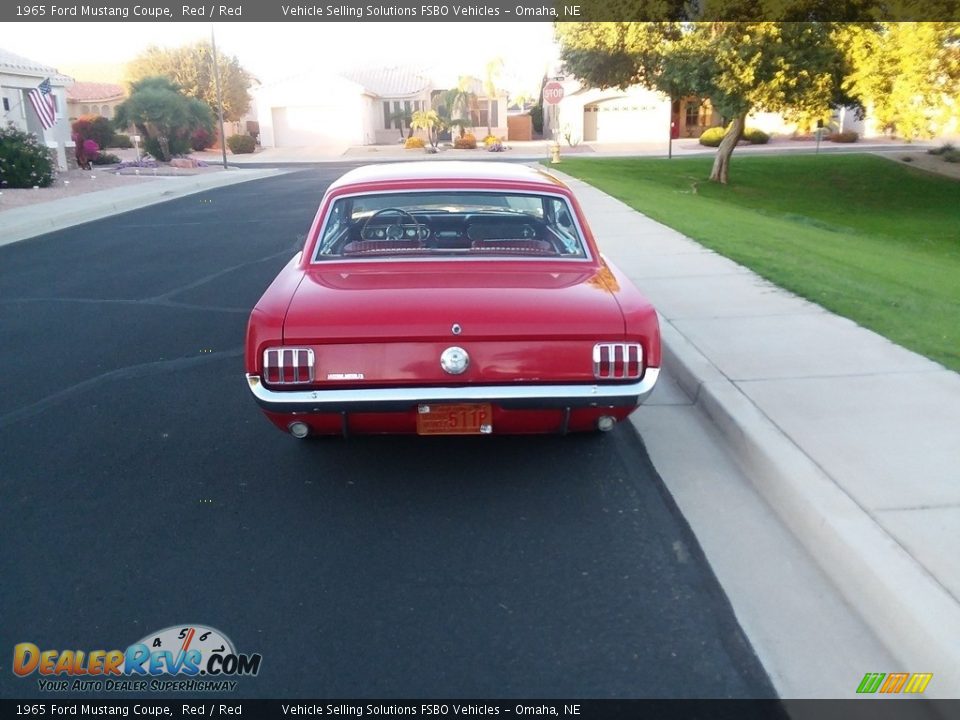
point(634, 115)
point(624, 119)
point(325, 112)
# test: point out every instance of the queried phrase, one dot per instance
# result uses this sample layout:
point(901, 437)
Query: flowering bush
point(414, 143)
point(490, 140)
point(24, 161)
point(467, 142)
point(92, 127)
point(146, 162)
point(86, 151)
point(201, 139)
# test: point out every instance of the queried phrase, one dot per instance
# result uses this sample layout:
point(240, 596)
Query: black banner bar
point(468, 11)
point(866, 709)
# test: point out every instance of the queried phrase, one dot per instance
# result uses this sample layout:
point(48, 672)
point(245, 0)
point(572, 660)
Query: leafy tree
point(191, 68)
point(907, 73)
point(165, 117)
point(788, 67)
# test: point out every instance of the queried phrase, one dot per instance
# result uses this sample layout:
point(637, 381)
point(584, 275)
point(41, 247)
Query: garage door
point(314, 126)
point(625, 120)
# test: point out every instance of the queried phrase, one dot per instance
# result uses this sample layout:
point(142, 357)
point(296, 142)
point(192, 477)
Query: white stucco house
point(20, 75)
point(358, 107)
point(637, 115)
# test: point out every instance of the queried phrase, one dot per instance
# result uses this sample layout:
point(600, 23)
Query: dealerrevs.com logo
point(181, 658)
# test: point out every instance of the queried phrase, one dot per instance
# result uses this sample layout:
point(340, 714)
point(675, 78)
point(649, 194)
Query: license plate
point(462, 419)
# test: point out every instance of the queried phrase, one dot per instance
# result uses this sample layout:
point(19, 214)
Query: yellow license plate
point(460, 419)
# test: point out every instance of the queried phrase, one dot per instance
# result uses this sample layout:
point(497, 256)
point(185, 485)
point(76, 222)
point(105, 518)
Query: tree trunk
point(721, 164)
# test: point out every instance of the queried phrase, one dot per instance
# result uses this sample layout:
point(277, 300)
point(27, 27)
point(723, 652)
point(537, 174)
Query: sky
point(273, 51)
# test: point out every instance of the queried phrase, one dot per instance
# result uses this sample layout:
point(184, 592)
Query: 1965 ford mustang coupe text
point(450, 298)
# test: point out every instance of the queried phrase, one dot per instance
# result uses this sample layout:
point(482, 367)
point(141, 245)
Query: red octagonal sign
point(552, 92)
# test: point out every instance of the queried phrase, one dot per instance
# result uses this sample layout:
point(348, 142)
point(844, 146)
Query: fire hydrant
point(555, 153)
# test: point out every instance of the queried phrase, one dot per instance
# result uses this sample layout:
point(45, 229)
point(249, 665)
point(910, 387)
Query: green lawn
point(867, 238)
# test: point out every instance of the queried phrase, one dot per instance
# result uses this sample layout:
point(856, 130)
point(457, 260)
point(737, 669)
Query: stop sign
point(552, 92)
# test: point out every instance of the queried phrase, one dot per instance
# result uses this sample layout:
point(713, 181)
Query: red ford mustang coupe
point(450, 298)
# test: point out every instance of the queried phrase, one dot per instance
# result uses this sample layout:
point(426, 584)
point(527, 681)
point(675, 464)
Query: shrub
point(85, 151)
point(467, 142)
point(103, 158)
point(413, 143)
point(847, 136)
point(536, 117)
point(944, 149)
point(490, 140)
point(755, 136)
point(711, 137)
point(92, 127)
point(241, 144)
point(176, 145)
point(25, 162)
point(201, 139)
point(951, 156)
point(120, 140)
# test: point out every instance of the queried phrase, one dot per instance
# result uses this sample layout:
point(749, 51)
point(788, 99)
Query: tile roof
point(93, 91)
point(389, 81)
point(18, 65)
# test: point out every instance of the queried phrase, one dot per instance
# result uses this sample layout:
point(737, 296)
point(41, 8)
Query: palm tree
point(403, 117)
point(428, 121)
point(453, 105)
point(492, 74)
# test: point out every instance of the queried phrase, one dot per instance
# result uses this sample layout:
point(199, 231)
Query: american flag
point(41, 98)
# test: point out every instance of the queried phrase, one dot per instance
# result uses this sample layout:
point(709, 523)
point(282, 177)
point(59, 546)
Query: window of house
point(692, 114)
point(6, 104)
point(105, 111)
point(387, 123)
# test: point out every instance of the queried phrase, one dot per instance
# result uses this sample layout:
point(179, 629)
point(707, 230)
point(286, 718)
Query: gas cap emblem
point(456, 329)
point(454, 360)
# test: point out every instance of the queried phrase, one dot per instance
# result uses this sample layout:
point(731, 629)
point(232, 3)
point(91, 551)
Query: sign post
point(553, 94)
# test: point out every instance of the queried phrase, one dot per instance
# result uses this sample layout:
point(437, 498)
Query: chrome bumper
point(398, 399)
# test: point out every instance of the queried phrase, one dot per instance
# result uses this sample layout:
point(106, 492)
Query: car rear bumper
point(399, 399)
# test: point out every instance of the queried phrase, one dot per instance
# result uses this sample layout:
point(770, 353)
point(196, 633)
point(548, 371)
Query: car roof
point(468, 170)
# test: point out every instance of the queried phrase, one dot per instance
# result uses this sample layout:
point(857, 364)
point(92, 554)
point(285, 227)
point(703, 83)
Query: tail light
point(287, 366)
point(617, 361)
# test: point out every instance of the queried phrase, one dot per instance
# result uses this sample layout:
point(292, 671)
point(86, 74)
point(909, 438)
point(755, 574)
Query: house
point(632, 115)
point(367, 106)
point(93, 98)
point(18, 76)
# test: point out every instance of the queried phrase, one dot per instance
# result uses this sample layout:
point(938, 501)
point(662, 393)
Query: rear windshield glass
point(450, 224)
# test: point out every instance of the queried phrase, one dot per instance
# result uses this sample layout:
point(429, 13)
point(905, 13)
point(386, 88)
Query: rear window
point(450, 224)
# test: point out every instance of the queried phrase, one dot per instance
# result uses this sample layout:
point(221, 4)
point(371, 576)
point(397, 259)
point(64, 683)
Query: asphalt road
point(140, 488)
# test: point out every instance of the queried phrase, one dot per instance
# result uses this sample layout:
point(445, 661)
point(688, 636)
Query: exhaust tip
point(606, 423)
point(298, 429)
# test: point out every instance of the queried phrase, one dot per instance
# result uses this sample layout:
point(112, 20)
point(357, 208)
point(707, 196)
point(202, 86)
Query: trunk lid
point(423, 302)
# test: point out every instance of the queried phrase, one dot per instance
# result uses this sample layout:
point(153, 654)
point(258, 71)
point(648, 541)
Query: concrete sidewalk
point(851, 439)
point(25, 222)
point(540, 149)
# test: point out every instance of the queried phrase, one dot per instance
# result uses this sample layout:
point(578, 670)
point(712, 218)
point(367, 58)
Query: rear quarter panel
point(265, 326)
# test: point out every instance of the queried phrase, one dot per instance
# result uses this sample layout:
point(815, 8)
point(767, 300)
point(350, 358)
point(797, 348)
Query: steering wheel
point(393, 232)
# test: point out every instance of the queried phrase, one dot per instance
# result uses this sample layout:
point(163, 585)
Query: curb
point(909, 611)
point(32, 220)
